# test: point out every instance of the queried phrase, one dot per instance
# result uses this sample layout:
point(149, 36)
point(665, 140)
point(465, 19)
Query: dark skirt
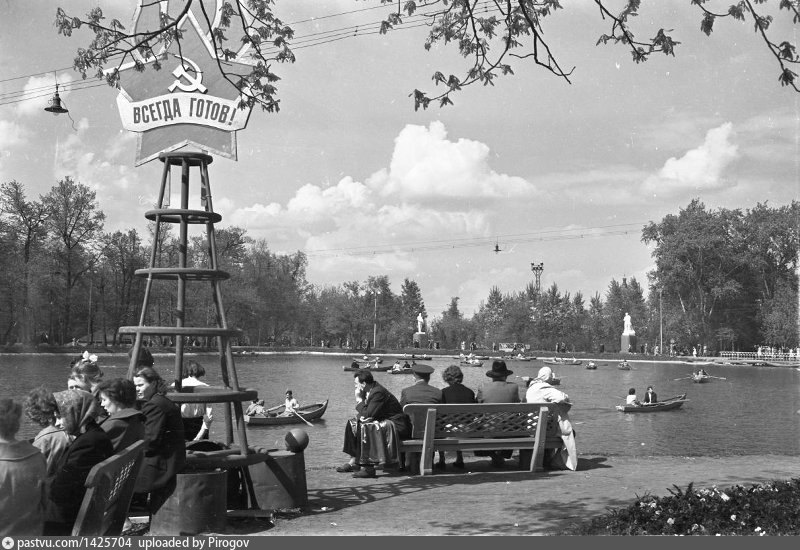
point(192, 426)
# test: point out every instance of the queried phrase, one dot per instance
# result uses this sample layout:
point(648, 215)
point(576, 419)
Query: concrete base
point(625, 341)
point(420, 340)
point(280, 482)
point(197, 505)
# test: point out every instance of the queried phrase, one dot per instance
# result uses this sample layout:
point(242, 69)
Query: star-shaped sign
point(187, 102)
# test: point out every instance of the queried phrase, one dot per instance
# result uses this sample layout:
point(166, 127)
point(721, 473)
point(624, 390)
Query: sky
point(549, 172)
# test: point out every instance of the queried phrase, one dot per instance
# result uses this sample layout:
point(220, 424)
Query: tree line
point(724, 279)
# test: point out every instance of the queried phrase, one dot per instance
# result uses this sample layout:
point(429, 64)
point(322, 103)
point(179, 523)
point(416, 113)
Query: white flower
point(758, 529)
point(733, 517)
point(724, 497)
point(670, 521)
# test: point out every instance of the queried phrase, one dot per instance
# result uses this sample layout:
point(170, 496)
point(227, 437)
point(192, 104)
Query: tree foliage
point(489, 34)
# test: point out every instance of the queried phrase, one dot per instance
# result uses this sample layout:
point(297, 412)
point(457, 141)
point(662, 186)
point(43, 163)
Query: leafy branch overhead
point(489, 34)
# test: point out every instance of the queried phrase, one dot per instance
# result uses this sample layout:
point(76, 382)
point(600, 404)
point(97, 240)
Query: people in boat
point(406, 365)
point(455, 392)
point(540, 390)
point(256, 407)
point(702, 372)
point(290, 404)
point(499, 390)
point(625, 363)
point(376, 407)
point(355, 365)
point(632, 399)
point(650, 396)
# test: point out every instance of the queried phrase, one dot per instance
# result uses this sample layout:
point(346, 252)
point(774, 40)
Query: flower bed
point(768, 509)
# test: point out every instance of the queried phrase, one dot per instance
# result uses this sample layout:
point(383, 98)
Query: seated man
point(256, 408)
point(290, 405)
point(420, 392)
point(499, 390)
point(650, 396)
point(371, 437)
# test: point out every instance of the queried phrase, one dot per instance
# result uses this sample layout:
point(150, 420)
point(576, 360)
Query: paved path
point(504, 502)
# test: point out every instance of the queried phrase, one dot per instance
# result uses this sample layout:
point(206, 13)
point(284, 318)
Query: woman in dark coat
point(165, 455)
point(76, 410)
point(455, 392)
point(124, 424)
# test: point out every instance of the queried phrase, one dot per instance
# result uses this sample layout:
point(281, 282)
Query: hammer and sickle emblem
point(194, 83)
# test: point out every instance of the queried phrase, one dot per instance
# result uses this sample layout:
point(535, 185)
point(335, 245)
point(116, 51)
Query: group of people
point(290, 406)
point(370, 436)
point(649, 397)
point(42, 480)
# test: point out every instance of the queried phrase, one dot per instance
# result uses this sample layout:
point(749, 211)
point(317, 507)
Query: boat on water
point(308, 412)
point(561, 361)
point(666, 405)
point(401, 370)
point(369, 366)
point(416, 357)
point(624, 366)
point(368, 359)
point(520, 357)
point(591, 365)
point(700, 377)
point(471, 363)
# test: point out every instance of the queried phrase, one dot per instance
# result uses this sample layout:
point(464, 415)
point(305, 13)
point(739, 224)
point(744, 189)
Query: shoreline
point(509, 502)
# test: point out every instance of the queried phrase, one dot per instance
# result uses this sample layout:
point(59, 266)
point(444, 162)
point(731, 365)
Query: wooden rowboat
point(624, 366)
point(369, 366)
point(309, 412)
point(698, 378)
point(471, 363)
point(560, 361)
point(666, 405)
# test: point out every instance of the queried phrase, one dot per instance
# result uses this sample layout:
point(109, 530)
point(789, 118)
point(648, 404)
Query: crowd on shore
point(42, 481)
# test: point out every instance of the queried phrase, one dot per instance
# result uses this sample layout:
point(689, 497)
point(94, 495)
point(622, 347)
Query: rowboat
point(624, 366)
point(309, 412)
point(416, 357)
point(591, 365)
point(561, 361)
point(401, 370)
point(520, 358)
point(666, 405)
point(367, 359)
point(369, 366)
point(699, 378)
point(471, 363)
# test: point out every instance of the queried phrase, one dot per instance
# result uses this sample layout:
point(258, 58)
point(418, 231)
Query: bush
point(768, 509)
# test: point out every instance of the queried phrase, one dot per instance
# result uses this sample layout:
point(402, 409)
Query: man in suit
point(650, 396)
point(498, 391)
point(373, 402)
point(420, 392)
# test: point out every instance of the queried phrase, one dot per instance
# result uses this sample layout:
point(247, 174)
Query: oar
point(301, 417)
point(720, 377)
point(683, 378)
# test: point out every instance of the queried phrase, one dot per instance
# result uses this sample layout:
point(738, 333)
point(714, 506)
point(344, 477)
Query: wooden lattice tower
point(231, 393)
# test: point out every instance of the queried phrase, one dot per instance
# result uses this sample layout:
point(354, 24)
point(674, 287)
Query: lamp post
point(375, 321)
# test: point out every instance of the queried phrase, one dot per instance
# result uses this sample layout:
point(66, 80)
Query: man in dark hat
point(498, 391)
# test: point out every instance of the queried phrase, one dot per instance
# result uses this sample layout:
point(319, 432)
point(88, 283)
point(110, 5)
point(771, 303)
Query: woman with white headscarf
point(540, 391)
point(76, 413)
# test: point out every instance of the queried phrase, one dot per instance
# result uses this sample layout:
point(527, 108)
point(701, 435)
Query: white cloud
point(426, 165)
point(11, 134)
point(700, 169)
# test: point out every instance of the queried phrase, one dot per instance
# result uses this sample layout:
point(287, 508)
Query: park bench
point(527, 427)
point(109, 489)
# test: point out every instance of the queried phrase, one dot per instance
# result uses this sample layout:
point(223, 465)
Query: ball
point(296, 440)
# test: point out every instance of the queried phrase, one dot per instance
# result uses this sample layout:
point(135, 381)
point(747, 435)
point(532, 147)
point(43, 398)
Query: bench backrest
point(109, 488)
point(495, 420)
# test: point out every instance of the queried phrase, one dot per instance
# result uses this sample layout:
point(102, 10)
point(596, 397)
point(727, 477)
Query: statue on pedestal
point(420, 320)
point(627, 329)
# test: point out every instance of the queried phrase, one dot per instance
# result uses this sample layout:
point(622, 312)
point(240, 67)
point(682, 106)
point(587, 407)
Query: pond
point(745, 411)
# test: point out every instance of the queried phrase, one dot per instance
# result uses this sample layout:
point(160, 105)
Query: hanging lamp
point(55, 104)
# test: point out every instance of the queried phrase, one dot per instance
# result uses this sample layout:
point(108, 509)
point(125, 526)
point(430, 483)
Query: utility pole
point(375, 322)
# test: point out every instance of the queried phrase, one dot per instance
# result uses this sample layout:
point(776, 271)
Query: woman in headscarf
point(76, 411)
point(165, 454)
point(540, 391)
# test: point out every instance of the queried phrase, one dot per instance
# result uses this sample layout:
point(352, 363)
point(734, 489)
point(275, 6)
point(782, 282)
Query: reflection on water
point(753, 411)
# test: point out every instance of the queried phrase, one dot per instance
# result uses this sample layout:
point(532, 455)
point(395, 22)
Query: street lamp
point(375, 322)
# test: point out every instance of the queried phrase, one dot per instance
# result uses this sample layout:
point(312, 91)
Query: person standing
point(499, 390)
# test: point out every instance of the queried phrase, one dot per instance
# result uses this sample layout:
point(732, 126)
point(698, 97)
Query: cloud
point(700, 169)
point(11, 134)
point(425, 165)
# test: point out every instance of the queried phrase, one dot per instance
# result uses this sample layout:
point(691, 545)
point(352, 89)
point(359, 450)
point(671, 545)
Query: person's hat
point(421, 369)
point(499, 370)
point(545, 373)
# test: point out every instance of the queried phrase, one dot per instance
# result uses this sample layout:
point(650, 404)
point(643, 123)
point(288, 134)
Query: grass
point(765, 509)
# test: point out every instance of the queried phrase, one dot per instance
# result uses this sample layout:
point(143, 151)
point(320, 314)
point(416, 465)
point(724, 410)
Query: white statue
point(627, 329)
point(420, 320)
